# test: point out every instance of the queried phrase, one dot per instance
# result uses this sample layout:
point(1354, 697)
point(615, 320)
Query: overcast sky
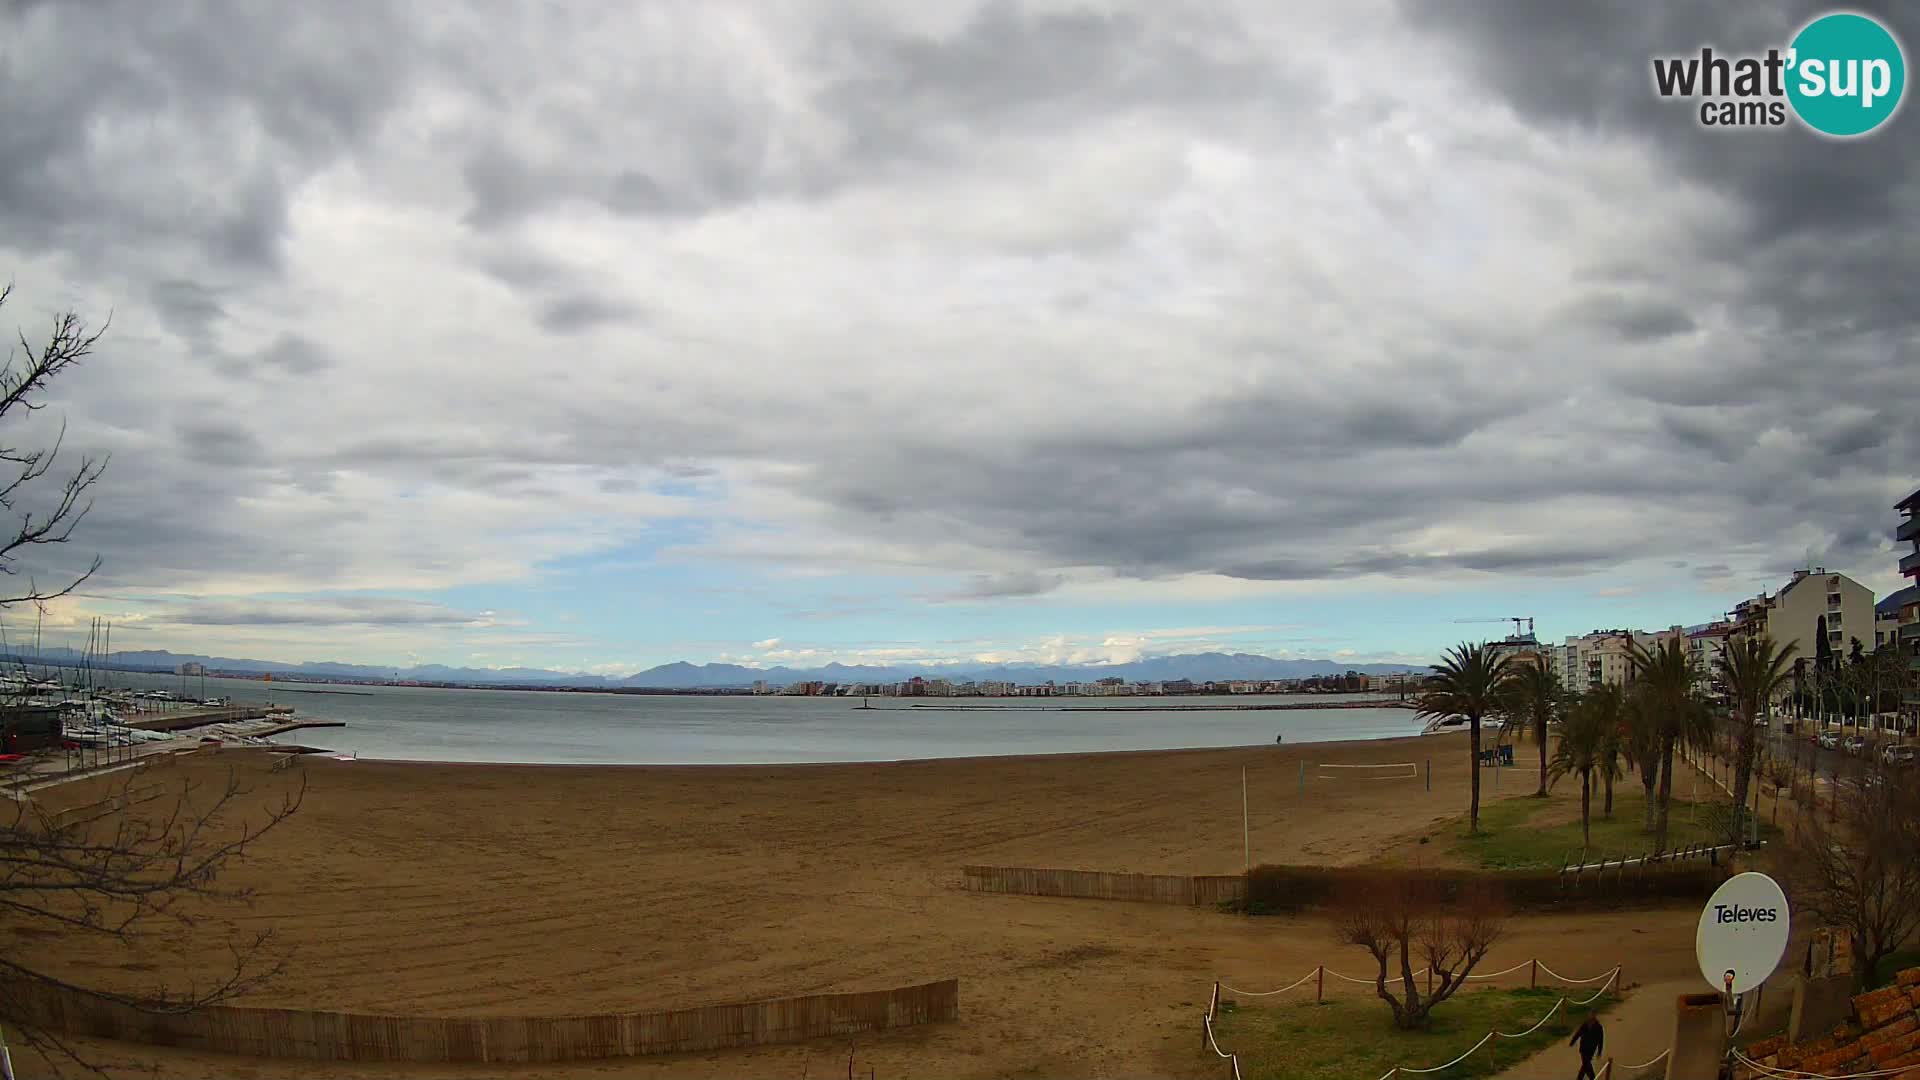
point(596, 335)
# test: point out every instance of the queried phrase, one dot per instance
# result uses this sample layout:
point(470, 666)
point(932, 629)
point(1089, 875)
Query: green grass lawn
point(1531, 834)
point(1353, 1038)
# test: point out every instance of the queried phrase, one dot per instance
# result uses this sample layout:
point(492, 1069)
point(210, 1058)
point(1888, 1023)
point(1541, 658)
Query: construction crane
point(1516, 620)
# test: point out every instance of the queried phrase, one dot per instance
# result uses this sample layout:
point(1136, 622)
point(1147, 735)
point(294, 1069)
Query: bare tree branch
point(1404, 915)
point(24, 377)
point(139, 862)
point(1859, 870)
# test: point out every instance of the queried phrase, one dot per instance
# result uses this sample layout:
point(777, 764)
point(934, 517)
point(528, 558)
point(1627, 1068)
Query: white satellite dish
point(1743, 933)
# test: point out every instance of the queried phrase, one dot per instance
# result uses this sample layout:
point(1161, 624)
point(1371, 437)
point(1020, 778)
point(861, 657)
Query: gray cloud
point(583, 311)
point(344, 612)
point(1013, 297)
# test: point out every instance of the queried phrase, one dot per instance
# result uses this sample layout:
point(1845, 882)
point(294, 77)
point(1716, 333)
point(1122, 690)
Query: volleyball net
point(1402, 770)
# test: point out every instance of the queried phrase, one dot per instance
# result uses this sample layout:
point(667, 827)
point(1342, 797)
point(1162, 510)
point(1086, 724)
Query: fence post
point(1429, 774)
point(1320, 988)
point(1533, 977)
point(1303, 777)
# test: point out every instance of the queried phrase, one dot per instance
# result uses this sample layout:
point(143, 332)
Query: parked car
point(1829, 740)
point(1855, 744)
point(1900, 755)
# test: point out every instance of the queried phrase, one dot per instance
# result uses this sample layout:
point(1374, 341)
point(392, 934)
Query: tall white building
point(1812, 602)
point(1599, 658)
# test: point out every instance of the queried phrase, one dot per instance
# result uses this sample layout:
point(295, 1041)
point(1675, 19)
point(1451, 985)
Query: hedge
point(1293, 888)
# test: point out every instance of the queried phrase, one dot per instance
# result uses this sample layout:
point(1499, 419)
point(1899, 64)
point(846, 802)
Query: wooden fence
point(329, 1036)
point(1100, 885)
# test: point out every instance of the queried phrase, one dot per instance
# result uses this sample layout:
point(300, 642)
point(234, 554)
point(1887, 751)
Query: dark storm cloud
point(909, 91)
point(347, 611)
point(1815, 267)
point(1814, 244)
point(1635, 319)
point(295, 355)
point(218, 443)
point(1567, 560)
point(187, 308)
point(1002, 586)
point(894, 101)
point(103, 98)
point(1322, 339)
point(577, 312)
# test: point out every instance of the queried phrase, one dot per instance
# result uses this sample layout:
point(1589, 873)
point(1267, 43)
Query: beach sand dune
point(468, 889)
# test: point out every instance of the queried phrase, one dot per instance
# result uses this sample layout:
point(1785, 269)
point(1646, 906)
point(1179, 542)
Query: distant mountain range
point(1200, 667)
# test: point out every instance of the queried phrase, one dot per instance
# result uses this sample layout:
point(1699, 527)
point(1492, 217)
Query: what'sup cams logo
point(1842, 75)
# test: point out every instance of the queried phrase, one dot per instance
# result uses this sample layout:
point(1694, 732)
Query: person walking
point(1590, 1038)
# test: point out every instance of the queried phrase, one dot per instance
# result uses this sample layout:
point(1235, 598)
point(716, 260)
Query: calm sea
point(415, 723)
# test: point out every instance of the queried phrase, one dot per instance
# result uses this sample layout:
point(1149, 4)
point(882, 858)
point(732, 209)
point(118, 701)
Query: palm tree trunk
point(1649, 776)
point(1742, 777)
point(1540, 736)
point(1607, 779)
point(1586, 813)
point(1473, 808)
point(1666, 794)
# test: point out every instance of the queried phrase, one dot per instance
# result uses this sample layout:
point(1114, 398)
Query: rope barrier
point(1578, 982)
point(1367, 982)
point(1233, 1060)
point(1795, 1074)
point(1648, 1064)
point(1509, 971)
point(1606, 983)
point(1270, 993)
point(1602, 977)
point(1492, 1035)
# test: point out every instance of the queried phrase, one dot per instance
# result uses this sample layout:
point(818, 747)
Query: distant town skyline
point(614, 336)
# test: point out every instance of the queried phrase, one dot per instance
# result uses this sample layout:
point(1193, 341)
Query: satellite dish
point(1743, 933)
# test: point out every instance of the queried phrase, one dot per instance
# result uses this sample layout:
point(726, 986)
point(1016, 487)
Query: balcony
point(1909, 529)
point(1911, 564)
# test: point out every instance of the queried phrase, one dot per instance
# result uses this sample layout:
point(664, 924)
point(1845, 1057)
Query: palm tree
point(1469, 681)
point(1610, 704)
point(1640, 739)
point(1665, 677)
point(1581, 751)
point(1753, 669)
point(1535, 699)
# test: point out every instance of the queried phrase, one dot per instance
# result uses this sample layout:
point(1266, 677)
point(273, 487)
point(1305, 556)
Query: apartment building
point(1812, 603)
point(1599, 658)
point(1704, 648)
point(1909, 616)
point(1886, 616)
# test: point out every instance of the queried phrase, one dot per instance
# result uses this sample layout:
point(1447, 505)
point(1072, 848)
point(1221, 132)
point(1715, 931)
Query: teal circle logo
point(1847, 75)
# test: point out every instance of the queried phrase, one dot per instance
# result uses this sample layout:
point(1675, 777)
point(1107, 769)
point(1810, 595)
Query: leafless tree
point(45, 515)
point(1405, 919)
point(146, 858)
point(141, 864)
point(1860, 869)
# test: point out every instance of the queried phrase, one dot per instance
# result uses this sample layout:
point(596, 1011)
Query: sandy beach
point(467, 889)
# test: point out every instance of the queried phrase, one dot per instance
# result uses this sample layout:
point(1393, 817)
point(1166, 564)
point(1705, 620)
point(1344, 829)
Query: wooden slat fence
point(331, 1036)
point(1101, 885)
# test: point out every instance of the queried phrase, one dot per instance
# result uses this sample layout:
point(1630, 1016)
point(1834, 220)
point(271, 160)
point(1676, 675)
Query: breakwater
point(1281, 706)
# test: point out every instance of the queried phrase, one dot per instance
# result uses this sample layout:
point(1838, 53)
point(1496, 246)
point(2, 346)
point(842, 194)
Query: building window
point(1833, 636)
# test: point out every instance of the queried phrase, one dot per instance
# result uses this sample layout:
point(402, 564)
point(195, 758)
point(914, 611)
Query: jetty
point(1271, 706)
point(214, 714)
